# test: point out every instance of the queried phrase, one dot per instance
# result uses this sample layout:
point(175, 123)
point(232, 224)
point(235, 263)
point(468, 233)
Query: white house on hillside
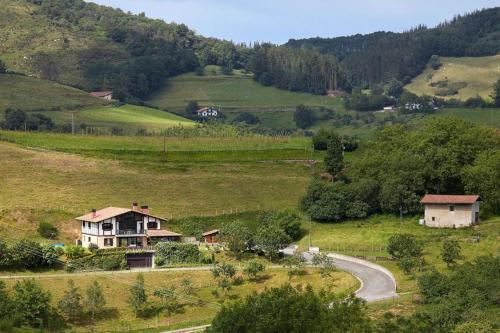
point(123, 227)
point(450, 211)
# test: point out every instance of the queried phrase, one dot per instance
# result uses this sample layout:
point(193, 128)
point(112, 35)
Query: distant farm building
point(211, 236)
point(450, 211)
point(207, 112)
point(107, 95)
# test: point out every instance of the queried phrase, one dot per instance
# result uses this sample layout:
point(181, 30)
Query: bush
point(106, 260)
point(332, 202)
point(247, 118)
point(304, 116)
point(253, 268)
point(173, 253)
point(93, 247)
point(74, 252)
point(47, 230)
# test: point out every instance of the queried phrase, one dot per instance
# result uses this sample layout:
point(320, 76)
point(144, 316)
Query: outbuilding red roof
point(449, 199)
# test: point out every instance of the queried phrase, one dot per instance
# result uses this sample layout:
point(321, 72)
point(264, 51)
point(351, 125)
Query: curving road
point(377, 282)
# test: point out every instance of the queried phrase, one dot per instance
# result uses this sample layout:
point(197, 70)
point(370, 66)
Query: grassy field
point(477, 75)
point(195, 309)
point(40, 180)
point(369, 237)
point(28, 93)
point(238, 92)
point(128, 117)
point(170, 149)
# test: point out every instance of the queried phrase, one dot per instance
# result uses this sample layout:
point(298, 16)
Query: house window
point(152, 225)
point(433, 218)
point(452, 208)
point(83, 223)
point(108, 241)
point(107, 226)
point(89, 239)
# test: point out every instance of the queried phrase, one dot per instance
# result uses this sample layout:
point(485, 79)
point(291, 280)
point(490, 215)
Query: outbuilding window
point(452, 208)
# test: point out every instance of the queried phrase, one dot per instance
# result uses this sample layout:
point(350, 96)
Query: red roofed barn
point(450, 211)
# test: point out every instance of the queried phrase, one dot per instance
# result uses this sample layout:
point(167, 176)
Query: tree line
point(381, 56)
point(391, 173)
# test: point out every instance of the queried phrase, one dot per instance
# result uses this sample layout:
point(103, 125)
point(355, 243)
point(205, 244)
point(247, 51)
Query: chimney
point(94, 213)
point(134, 206)
point(145, 209)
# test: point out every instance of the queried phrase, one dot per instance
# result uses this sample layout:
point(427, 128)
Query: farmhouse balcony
point(144, 248)
point(125, 232)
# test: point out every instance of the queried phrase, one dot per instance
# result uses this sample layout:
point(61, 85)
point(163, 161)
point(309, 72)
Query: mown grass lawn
point(197, 308)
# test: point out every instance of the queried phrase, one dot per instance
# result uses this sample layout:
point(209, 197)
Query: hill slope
point(381, 56)
point(237, 92)
point(469, 76)
point(30, 94)
point(129, 118)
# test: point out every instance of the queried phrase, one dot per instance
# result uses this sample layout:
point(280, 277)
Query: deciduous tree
point(71, 302)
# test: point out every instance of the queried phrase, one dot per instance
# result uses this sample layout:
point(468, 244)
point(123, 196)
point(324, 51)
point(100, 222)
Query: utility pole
point(73, 122)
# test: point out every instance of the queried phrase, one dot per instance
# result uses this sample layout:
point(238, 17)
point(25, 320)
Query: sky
point(279, 20)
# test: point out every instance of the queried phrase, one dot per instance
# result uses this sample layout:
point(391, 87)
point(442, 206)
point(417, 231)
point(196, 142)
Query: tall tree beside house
point(496, 93)
point(138, 295)
point(334, 158)
point(95, 300)
point(482, 178)
point(71, 302)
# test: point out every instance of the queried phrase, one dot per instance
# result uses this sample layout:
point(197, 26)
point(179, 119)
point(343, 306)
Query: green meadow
point(32, 94)
point(237, 92)
point(127, 117)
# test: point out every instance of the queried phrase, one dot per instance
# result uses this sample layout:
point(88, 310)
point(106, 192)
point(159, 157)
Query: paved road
point(377, 283)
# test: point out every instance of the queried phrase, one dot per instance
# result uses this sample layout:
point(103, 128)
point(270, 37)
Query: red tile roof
point(162, 233)
point(211, 232)
point(109, 212)
point(449, 199)
point(101, 93)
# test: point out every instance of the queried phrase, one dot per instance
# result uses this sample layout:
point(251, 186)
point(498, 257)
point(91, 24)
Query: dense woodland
point(381, 56)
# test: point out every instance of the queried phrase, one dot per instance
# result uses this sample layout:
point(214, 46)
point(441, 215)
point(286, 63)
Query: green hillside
point(469, 76)
point(237, 92)
point(128, 117)
point(28, 93)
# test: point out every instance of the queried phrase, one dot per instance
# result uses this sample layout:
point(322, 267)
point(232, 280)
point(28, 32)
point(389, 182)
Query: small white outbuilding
point(450, 211)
